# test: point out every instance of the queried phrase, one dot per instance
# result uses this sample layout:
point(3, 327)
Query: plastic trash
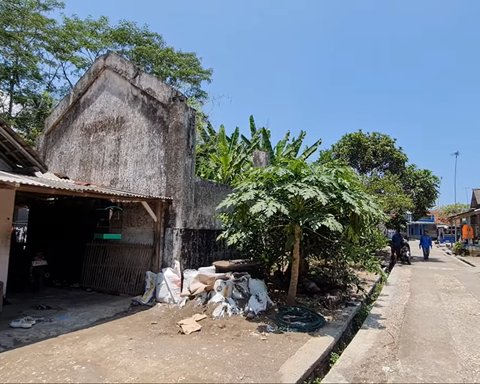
point(150, 281)
point(188, 276)
point(169, 285)
point(259, 300)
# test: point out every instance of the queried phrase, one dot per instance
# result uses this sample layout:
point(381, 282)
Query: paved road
point(425, 327)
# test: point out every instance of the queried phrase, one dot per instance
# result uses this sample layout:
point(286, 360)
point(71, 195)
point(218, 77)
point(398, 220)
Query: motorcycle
point(405, 254)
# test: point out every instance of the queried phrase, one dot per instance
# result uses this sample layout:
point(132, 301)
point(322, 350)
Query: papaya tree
point(273, 209)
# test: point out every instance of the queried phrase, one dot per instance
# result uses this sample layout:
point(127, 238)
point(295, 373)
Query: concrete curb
point(460, 258)
point(314, 352)
point(465, 261)
point(365, 338)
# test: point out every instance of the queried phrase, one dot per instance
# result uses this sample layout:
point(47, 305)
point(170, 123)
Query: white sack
point(169, 285)
point(259, 300)
point(188, 276)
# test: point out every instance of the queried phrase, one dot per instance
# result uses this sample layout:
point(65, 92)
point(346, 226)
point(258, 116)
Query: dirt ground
point(147, 347)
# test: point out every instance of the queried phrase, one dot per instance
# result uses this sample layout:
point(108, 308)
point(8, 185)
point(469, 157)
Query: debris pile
point(231, 293)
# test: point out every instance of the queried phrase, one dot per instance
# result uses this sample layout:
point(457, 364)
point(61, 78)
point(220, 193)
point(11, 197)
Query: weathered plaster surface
point(208, 195)
point(125, 129)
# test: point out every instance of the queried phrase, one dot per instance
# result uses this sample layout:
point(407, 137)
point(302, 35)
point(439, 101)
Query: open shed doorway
point(49, 241)
point(62, 250)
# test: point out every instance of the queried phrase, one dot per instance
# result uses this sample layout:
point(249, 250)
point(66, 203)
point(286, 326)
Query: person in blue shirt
point(396, 244)
point(425, 245)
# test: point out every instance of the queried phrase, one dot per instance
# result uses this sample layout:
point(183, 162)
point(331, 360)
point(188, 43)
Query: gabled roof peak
point(149, 84)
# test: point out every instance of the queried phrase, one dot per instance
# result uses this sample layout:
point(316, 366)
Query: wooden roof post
point(158, 237)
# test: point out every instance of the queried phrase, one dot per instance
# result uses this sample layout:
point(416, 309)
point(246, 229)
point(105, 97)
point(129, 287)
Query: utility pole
point(455, 187)
point(455, 176)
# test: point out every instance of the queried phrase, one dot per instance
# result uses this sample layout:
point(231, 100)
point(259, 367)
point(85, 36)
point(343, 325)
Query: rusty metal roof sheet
point(51, 184)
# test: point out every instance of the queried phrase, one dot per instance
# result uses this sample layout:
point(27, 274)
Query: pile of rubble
point(231, 293)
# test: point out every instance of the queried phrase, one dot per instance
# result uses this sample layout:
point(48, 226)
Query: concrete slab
point(69, 309)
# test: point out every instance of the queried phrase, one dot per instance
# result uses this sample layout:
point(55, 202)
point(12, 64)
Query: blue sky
point(407, 68)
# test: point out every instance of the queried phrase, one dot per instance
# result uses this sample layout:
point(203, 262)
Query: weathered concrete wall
point(125, 129)
point(199, 247)
point(208, 195)
point(137, 225)
point(7, 203)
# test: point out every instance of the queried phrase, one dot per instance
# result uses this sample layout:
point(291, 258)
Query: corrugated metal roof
point(461, 215)
point(16, 152)
point(475, 198)
point(49, 183)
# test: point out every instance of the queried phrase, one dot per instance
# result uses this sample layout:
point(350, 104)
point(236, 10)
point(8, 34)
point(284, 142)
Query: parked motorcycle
point(405, 254)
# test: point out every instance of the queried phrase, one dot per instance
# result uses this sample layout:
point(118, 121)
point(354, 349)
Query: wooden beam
point(150, 211)
point(158, 237)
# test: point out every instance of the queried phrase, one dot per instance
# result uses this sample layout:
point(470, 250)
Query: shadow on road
point(434, 259)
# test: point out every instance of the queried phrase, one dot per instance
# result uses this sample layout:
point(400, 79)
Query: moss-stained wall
point(208, 195)
point(125, 129)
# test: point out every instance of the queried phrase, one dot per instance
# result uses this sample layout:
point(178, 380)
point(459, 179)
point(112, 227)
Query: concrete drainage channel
point(352, 326)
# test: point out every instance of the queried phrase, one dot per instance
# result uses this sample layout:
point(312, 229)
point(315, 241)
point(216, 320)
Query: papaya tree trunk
point(292, 289)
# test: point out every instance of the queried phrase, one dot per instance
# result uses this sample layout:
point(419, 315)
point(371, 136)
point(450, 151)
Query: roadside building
point(111, 192)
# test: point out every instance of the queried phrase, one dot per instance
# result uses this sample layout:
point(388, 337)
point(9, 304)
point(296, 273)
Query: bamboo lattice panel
point(116, 267)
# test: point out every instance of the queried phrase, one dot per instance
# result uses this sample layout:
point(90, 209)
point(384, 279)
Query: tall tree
point(26, 76)
point(453, 209)
point(370, 153)
point(42, 57)
point(422, 186)
point(399, 187)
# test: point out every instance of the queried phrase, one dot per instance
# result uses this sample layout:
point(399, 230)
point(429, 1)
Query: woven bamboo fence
point(117, 268)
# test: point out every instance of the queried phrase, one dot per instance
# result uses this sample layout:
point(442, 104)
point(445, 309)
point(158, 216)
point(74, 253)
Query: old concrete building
point(124, 129)
point(62, 226)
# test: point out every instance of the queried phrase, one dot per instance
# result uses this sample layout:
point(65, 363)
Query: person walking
point(425, 244)
point(396, 244)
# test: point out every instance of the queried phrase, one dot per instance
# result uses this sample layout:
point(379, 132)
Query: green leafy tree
point(390, 195)
point(274, 211)
point(222, 158)
point(453, 209)
point(285, 148)
point(422, 186)
point(397, 186)
point(26, 79)
point(225, 158)
point(370, 153)
point(81, 41)
point(42, 57)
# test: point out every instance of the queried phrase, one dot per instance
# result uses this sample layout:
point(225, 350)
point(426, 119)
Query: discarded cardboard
point(190, 324)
